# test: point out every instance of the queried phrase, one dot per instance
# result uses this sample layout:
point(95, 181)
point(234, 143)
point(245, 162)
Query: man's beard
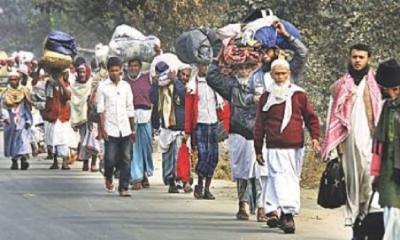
point(357, 75)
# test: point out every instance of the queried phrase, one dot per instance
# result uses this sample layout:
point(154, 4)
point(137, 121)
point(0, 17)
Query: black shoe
point(173, 189)
point(54, 166)
point(65, 166)
point(145, 182)
point(14, 165)
point(208, 195)
point(272, 219)
point(24, 164)
point(287, 223)
point(198, 192)
point(172, 186)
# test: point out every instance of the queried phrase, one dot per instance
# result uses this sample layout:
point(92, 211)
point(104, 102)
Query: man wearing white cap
point(17, 121)
point(282, 113)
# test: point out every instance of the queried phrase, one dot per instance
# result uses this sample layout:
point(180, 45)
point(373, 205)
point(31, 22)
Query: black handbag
point(371, 227)
point(332, 187)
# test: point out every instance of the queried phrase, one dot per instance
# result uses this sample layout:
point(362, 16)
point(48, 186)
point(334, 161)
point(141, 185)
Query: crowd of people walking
point(110, 112)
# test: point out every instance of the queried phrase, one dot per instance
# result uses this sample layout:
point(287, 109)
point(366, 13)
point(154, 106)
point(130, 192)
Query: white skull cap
point(280, 62)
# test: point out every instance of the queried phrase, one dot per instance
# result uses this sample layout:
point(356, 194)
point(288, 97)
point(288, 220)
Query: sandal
point(93, 168)
point(137, 186)
point(260, 215)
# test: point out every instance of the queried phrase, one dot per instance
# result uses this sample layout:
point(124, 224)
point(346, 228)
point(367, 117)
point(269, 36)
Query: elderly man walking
point(16, 104)
point(282, 113)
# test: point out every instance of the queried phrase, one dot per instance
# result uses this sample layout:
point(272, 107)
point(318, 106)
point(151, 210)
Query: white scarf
point(279, 94)
point(80, 94)
point(192, 85)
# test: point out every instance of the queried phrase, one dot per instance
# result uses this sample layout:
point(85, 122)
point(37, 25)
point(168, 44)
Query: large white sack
point(127, 31)
point(228, 32)
point(126, 48)
point(101, 53)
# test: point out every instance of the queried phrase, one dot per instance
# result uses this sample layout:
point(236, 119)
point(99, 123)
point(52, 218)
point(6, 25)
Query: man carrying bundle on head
point(201, 123)
point(261, 78)
point(57, 113)
point(170, 99)
point(241, 148)
point(142, 160)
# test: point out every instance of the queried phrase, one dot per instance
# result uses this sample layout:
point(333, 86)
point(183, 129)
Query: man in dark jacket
point(172, 133)
point(242, 156)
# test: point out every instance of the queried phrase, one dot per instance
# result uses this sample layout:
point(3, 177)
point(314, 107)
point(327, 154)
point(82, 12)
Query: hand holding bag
point(370, 227)
point(332, 187)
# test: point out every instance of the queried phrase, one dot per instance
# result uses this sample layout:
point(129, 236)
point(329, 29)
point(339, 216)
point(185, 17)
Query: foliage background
point(328, 28)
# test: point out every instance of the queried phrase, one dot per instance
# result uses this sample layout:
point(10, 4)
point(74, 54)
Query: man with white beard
point(282, 113)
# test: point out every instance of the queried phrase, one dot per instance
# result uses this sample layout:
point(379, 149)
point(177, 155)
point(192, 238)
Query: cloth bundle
point(194, 47)
point(127, 43)
point(234, 54)
point(61, 42)
point(59, 49)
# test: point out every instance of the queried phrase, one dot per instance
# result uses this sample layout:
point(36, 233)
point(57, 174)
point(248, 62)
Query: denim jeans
point(118, 152)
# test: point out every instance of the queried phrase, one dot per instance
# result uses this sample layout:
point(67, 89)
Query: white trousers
point(391, 218)
point(282, 185)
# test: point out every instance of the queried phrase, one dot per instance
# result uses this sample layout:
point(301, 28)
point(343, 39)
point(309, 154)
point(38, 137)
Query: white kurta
point(282, 185)
point(357, 158)
point(167, 136)
point(242, 157)
point(57, 133)
point(391, 218)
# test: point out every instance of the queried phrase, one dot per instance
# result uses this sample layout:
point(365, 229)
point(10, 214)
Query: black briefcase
point(371, 227)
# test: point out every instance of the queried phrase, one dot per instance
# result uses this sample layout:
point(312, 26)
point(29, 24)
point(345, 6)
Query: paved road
point(43, 204)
